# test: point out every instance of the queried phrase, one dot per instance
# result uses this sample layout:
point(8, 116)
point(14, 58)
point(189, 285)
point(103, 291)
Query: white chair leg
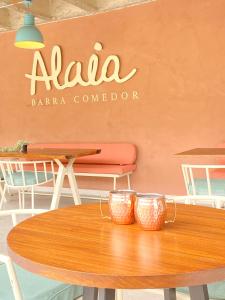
point(2, 192)
point(218, 203)
point(32, 197)
point(23, 199)
point(128, 182)
point(54, 179)
point(114, 183)
point(20, 200)
point(187, 201)
point(2, 195)
point(11, 193)
point(119, 294)
point(13, 280)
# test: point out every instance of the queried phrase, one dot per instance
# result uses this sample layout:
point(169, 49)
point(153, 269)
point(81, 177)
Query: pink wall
point(177, 47)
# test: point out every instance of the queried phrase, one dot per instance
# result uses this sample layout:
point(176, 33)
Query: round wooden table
point(76, 245)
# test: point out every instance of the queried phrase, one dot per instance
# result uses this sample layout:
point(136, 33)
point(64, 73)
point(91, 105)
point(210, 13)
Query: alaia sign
point(69, 81)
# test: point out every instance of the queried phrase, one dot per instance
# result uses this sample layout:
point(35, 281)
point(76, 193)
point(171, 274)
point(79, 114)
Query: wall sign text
point(93, 69)
point(88, 99)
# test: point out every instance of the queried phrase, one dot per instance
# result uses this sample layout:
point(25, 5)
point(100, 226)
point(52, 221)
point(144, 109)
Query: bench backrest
point(113, 154)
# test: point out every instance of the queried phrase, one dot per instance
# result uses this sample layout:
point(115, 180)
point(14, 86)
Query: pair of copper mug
point(149, 210)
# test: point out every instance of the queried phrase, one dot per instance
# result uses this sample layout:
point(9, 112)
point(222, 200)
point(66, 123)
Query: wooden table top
point(203, 151)
point(75, 245)
point(60, 154)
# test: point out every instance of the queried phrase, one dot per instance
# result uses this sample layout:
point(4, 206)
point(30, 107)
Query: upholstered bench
point(115, 160)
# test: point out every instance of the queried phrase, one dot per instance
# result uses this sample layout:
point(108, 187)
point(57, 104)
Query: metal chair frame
point(9, 167)
point(7, 260)
point(188, 174)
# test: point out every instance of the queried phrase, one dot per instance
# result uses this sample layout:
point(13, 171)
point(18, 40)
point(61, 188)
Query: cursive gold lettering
point(92, 71)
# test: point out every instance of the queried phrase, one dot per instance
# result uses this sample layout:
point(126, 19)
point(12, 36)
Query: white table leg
point(73, 183)
point(62, 171)
point(58, 185)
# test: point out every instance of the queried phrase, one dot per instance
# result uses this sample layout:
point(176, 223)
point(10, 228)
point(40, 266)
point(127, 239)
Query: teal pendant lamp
point(29, 36)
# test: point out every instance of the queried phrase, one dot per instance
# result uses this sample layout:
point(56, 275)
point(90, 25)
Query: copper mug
point(151, 211)
point(121, 206)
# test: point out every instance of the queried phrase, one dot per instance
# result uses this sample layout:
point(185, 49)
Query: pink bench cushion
point(111, 154)
point(91, 168)
point(218, 174)
point(104, 169)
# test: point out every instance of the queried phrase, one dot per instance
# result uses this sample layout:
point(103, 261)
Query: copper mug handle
point(174, 214)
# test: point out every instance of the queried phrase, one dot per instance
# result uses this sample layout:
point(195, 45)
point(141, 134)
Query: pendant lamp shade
point(29, 36)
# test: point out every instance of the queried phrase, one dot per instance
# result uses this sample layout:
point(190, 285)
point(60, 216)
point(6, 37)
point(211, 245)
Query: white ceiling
point(11, 17)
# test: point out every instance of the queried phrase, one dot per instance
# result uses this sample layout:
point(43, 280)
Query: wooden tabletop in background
point(203, 151)
point(60, 154)
point(75, 245)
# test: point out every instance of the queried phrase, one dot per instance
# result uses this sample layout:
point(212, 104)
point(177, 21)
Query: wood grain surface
point(204, 151)
point(60, 154)
point(76, 245)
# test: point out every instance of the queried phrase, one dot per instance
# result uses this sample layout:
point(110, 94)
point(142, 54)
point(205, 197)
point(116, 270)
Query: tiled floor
point(44, 202)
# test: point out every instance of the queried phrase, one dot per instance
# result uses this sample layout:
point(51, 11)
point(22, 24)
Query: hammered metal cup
point(151, 211)
point(121, 206)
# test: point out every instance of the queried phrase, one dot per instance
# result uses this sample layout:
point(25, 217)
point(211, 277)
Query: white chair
point(2, 189)
point(201, 183)
point(19, 284)
point(24, 175)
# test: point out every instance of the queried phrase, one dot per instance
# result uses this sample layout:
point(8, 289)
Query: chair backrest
point(201, 183)
point(5, 259)
point(21, 173)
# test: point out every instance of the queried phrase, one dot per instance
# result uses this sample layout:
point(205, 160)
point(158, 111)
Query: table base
point(196, 293)
point(170, 294)
point(90, 293)
point(98, 294)
point(199, 292)
point(62, 172)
